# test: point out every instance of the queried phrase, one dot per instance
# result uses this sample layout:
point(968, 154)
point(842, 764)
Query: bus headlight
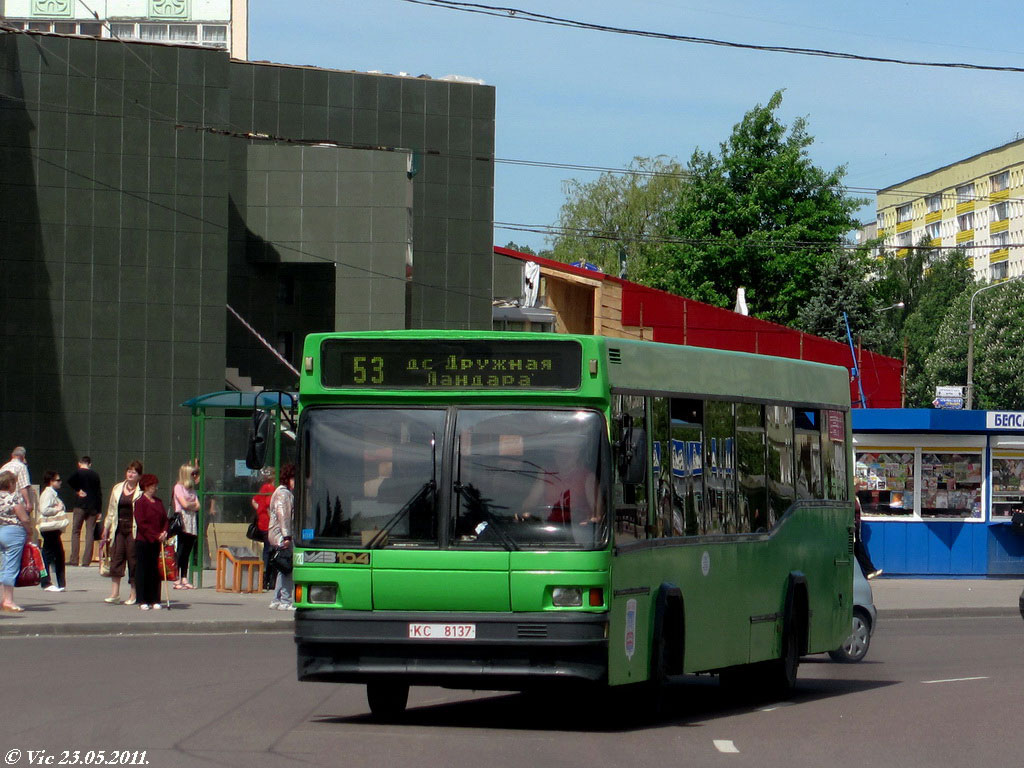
point(323, 593)
point(567, 597)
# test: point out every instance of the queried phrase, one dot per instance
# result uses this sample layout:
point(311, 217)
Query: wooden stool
point(244, 566)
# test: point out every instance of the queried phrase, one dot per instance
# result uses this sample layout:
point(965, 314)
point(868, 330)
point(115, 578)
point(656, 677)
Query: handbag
point(32, 568)
point(176, 525)
point(104, 559)
point(281, 559)
point(56, 522)
point(253, 532)
point(167, 564)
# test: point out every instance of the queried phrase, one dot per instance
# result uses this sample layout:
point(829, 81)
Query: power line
point(518, 14)
point(596, 234)
point(683, 174)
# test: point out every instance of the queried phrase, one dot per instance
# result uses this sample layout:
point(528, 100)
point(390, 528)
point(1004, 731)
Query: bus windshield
point(530, 478)
point(513, 479)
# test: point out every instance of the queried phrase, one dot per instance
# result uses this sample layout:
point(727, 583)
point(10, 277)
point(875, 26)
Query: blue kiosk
point(938, 490)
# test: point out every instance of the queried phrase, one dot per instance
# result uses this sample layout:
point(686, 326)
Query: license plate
point(442, 631)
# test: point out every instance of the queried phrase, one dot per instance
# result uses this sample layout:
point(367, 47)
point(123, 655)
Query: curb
point(154, 628)
point(992, 612)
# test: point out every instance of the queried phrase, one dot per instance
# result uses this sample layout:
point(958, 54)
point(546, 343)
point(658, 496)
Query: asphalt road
point(932, 692)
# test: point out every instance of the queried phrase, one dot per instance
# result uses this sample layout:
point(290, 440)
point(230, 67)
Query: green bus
point(505, 511)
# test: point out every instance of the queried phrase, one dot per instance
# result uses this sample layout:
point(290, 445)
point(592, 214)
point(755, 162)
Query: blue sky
point(591, 98)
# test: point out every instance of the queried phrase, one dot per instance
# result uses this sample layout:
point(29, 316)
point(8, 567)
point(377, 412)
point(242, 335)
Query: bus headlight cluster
point(323, 593)
point(567, 597)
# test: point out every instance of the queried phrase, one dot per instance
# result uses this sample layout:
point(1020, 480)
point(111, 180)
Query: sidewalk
point(81, 609)
point(936, 598)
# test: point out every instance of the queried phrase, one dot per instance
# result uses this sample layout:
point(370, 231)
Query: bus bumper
point(512, 651)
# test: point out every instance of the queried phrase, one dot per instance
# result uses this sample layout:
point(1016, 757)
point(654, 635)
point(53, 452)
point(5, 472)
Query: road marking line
point(773, 707)
point(954, 680)
point(724, 745)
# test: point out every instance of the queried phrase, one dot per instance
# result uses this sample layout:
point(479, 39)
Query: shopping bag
point(167, 564)
point(104, 559)
point(31, 567)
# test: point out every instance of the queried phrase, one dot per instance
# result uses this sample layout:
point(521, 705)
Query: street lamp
point(897, 305)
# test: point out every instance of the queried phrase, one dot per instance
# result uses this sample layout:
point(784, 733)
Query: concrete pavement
point(81, 610)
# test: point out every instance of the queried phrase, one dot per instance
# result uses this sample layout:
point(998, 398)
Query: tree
point(619, 213)
point(999, 349)
point(759, 215)
point(512, 245)
point(843, 285)
point(947, 277)
point(946, 364)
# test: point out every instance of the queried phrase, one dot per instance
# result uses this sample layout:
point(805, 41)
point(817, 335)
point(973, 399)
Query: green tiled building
point(146, 188)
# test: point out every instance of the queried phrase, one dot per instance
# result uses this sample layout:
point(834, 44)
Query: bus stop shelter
point(219, 436)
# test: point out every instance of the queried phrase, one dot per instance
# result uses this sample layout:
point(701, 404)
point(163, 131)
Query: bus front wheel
point(387, 700)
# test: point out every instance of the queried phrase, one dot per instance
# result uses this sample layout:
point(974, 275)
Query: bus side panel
point(631, 617)
point(734, 594)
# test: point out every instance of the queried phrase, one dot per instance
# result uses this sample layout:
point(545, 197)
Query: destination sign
point(471, 364)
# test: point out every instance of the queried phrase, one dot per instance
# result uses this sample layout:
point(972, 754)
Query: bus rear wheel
point(780, 674)
point(387, 700)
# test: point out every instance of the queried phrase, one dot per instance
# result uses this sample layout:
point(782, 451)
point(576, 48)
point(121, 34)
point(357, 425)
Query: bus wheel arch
point(782, 673)
point(668, 633)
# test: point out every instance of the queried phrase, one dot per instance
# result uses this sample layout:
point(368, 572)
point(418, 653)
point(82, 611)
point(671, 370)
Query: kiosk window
point(1007, 485)
point(884, 481)
point(951, 484)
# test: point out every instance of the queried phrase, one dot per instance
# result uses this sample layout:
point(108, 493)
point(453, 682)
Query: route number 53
point(375, 374)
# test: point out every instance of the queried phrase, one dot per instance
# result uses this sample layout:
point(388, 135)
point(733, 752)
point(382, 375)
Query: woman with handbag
point(53, 519)
point(186, 504)
point(261, 522)
point(119, 532)
point(15, 527)
point(279, 536)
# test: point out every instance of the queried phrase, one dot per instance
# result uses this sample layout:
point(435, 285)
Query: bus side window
point(833, 454)
point(779, 431)
point(719, 479)
point(661, 467)
point(630, 499)
point(808, 455)
point(688, 466)
point(750, 464)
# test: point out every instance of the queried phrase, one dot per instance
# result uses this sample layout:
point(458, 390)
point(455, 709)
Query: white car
point(856, 645)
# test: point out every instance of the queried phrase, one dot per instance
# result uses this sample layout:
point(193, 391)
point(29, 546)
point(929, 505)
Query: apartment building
point(221, 24)
point(974, 204)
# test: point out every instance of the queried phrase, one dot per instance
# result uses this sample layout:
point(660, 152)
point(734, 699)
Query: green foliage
point(999, 349)
point(760, 214)
point(619, 212)
point(842, 285)
point(929, 303)
point(512, 245)
point(946, 364)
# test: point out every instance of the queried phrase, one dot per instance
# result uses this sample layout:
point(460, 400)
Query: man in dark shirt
point(88, 497)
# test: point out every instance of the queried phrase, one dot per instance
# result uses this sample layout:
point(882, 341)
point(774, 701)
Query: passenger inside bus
point(566, 492)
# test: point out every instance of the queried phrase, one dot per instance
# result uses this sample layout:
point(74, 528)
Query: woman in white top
point(53, 520)
point(279, 535)
point(186, 501)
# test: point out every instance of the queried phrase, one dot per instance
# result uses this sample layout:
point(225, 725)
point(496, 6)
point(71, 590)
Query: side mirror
point(259, 437)
point(632, 458)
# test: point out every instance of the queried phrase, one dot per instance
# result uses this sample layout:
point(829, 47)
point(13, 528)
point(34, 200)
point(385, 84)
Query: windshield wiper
point(424, 493)
point(474, 500)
